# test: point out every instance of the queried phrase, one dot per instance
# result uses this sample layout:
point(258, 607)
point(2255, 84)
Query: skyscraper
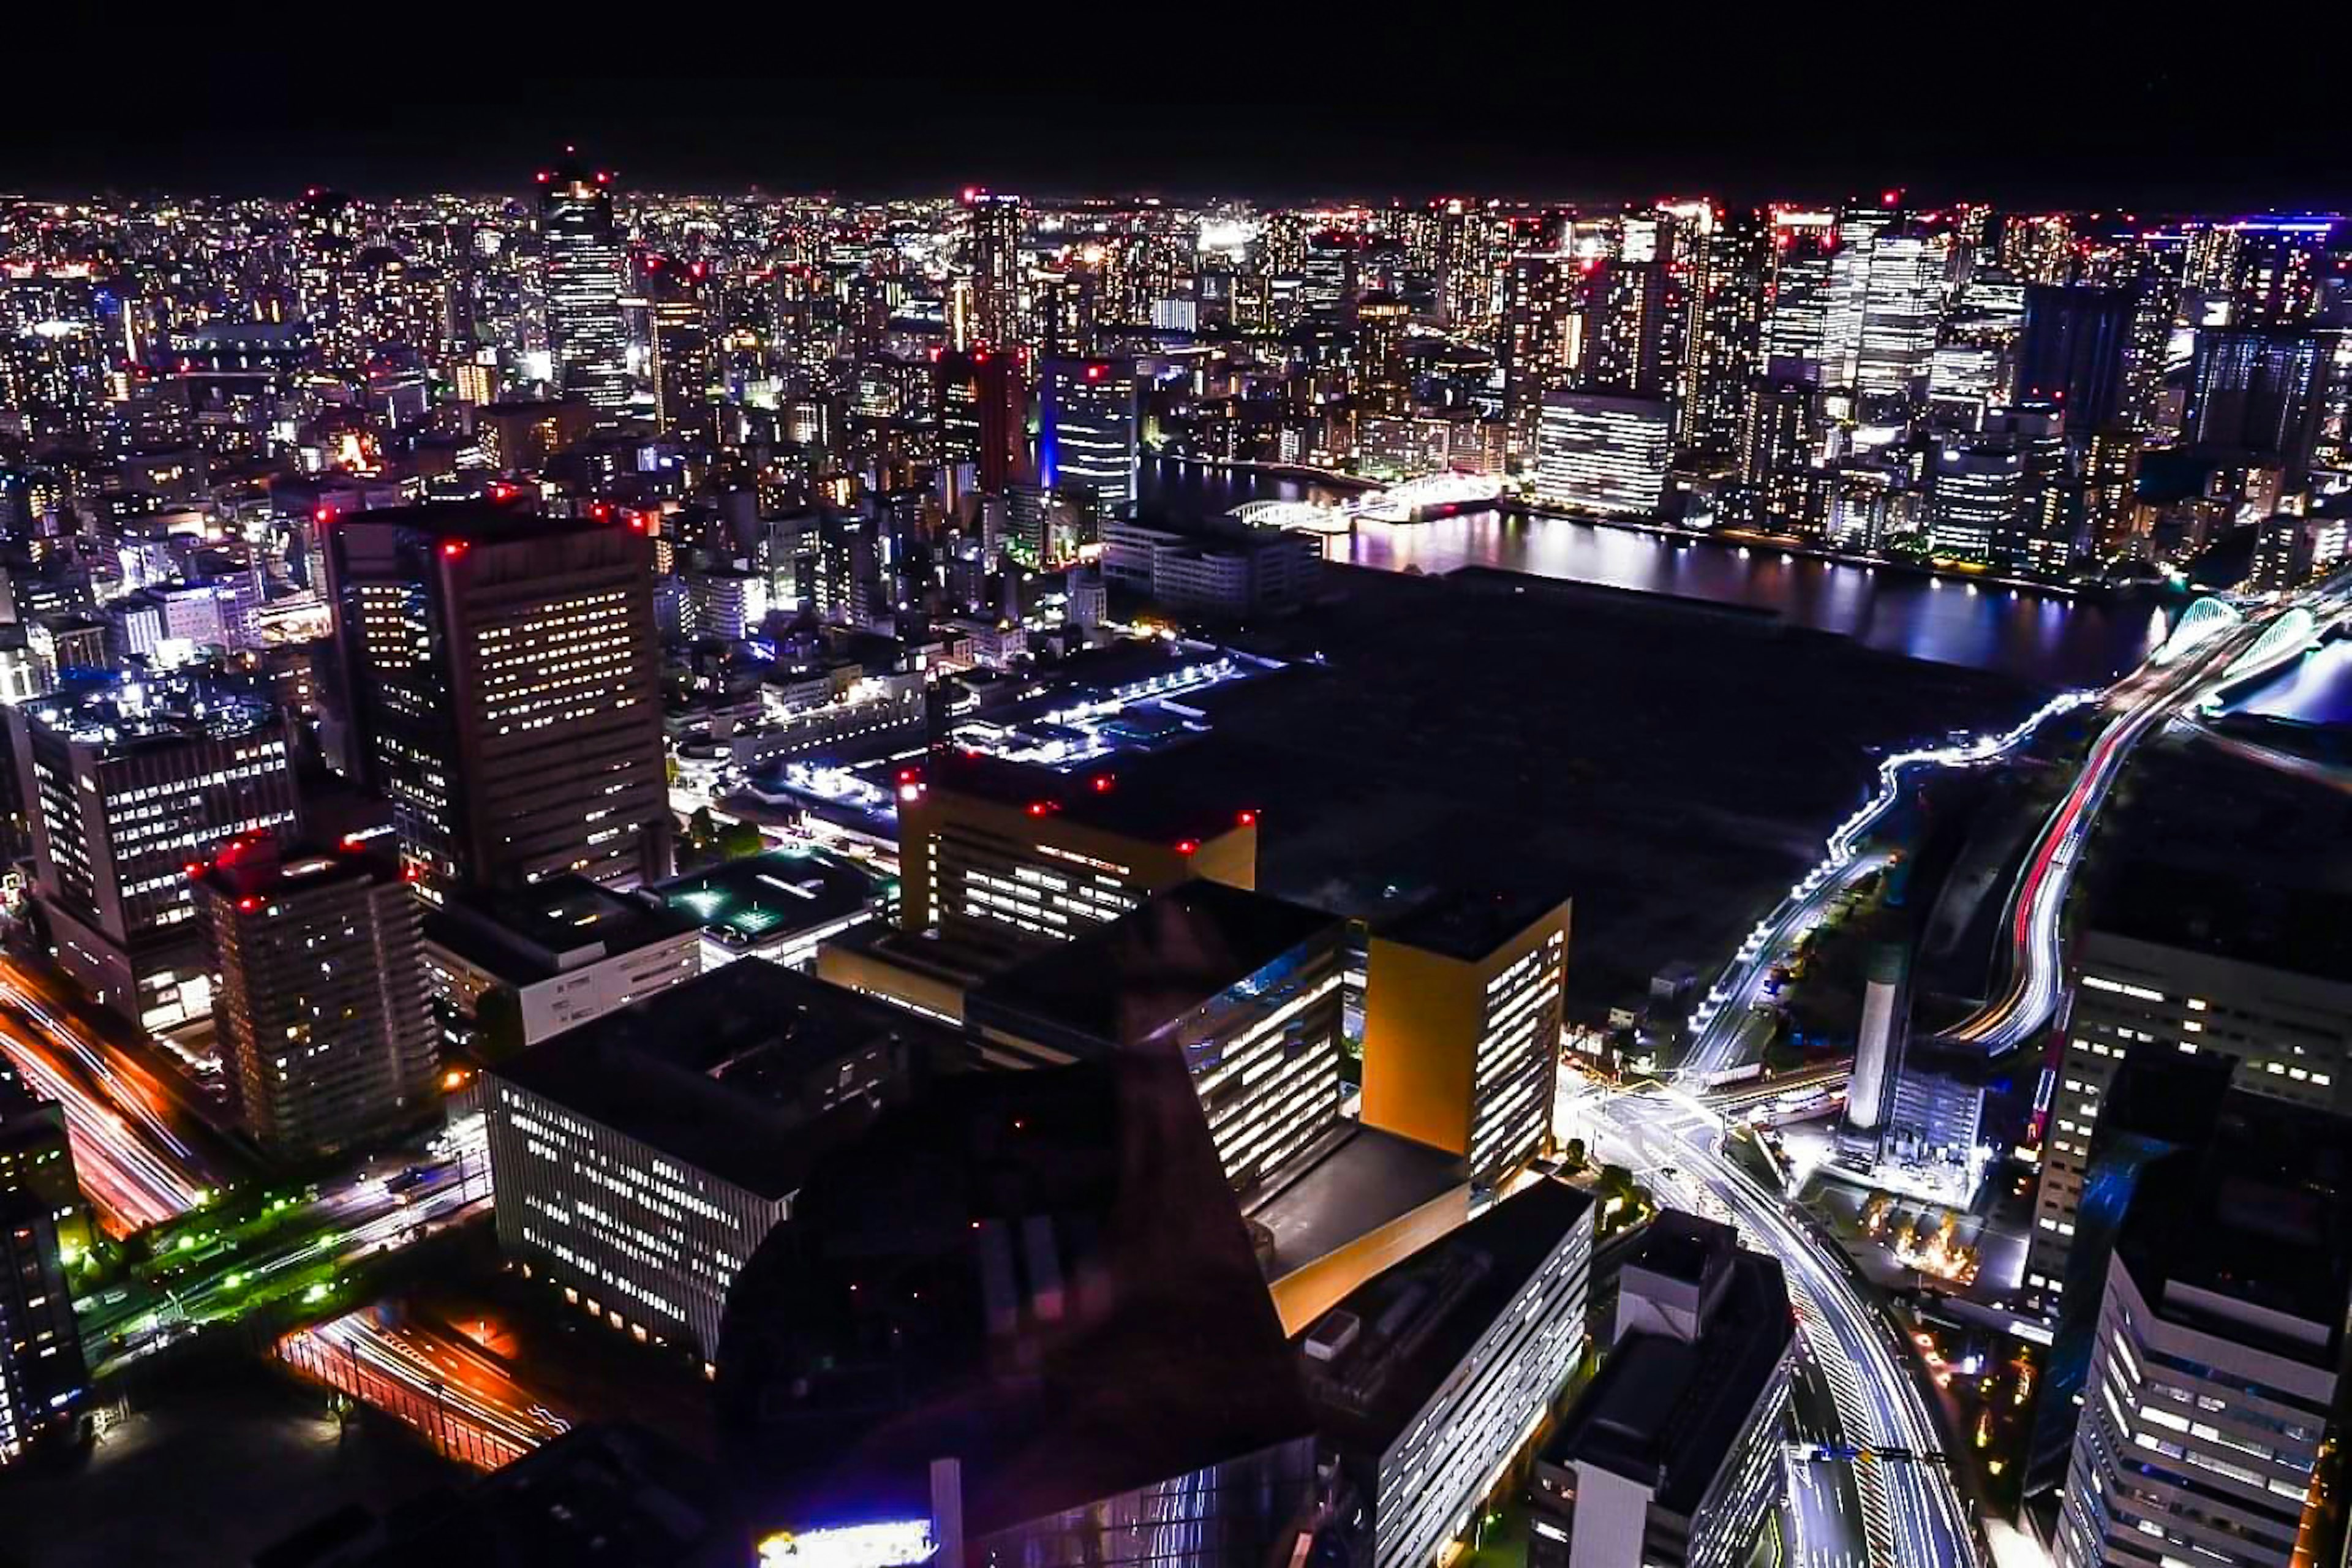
point(1086, 431)
point(1625, 319)
point(2071, 351)
point(1382, 383)
point(2161, 973)
point(1539, 335)
point(585, 331)
point(996, 224)
point(500, 679)
point(1902, 307)
point(2258, 394)
point(1462, 1005)
point(1724, 348)
point(325, 1029)
point(2218, 1362)
point(128, 783)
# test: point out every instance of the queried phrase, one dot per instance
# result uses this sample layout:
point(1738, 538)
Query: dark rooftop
point(536, 934)
point(2261, 1216)
point(1467, 925)
point(595, 1496)
point(719, 1071)
point(1367, 1181)
point(1165, 797)
point(478, 522)
point(1665, 1411)
point(1120, 981)
point(1420, 1316)
point(2259, 918)
point(768, 896)
point(257, 866)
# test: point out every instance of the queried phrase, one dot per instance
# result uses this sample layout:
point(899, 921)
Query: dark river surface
point(2046, 639)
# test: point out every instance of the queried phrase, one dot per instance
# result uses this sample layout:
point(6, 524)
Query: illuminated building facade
point(1086, 432)
point(326, 1031)
point(1462, 1017)
point(585, 269)
point(43, 1379)
point(1002, 858)
point(2288, 1029)
point(1599, 452)
point(1724, 349)
point(1540, 335)
point(568, 951)
point(501, 679)
point(129, 782)
point(2215, 1371)
point(1672, 1455)
point(1381, 380)
point(1434, 1377)
point(996, 238)
point(639, 1159)
point(1243, 988)
point(1978, 497)
point(2259, 394)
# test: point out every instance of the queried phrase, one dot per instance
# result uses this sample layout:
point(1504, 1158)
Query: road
point(1717, 1044)
point(2034, 959)
point(1912, 1514)
point(345, 1223)
point(133, 1167)
point(468, 1403)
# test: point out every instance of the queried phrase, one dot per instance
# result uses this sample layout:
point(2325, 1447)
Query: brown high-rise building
point(1462, 1008)
point(326, 1030)
point(500, 679)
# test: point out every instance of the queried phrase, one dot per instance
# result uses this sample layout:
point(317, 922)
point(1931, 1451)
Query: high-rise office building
point(996, 268)
point(1626, 311)
point(1796, 317)
point(326, 1031)
point(1724, 349)
point(501, 687)
point(2162, 973)
point(639, 1159)
point(1540, 335)
point(1462, 1008)
point(1599, 452)
point(1243, 988)
point(1671, 1456)
point(1902, 309)
point(1780, 435)
point(2216, 1371)
point(2071, 351)
point(128, 783)
point(983, 395)
point(1978, 497)
point(43, 1379)
point(1383, 381)
point(1086, 420)
point(2259, 394)
point(586, 333)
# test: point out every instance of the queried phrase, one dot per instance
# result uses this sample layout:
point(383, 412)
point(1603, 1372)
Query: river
point(2041, 637)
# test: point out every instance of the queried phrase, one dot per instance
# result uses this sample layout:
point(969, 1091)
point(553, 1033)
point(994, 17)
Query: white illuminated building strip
point(1456, 1448)
point(632, 1231)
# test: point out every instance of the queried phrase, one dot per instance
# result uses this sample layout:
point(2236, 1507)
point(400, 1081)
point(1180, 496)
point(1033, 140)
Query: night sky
point(2166, 130)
